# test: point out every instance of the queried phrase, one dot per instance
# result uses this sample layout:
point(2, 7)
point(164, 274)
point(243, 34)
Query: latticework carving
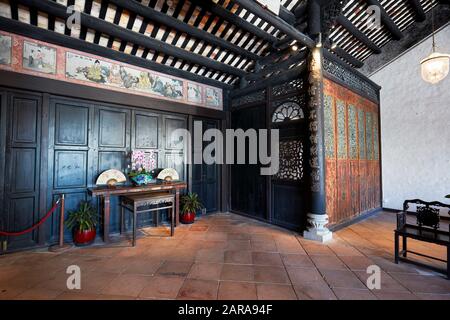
point(291, 161)
point(288, 111)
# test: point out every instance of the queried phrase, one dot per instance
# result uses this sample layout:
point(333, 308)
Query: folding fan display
point(168, 174)
point(111, 178)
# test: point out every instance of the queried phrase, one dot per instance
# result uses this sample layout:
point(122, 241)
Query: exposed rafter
point(77, 44)
point(178, 25)
point(276, 21)
point(281, 65)
point(116, 31)
point(387, 20)
point(418, 10)
point(343, 21)
point(235, 19)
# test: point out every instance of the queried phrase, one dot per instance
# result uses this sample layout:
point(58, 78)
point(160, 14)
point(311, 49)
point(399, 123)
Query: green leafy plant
point(190, 203)
point(85, 218)
point(448, 196)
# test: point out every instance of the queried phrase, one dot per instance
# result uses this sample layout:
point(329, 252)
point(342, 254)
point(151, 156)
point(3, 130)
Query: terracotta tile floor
point(225, 256)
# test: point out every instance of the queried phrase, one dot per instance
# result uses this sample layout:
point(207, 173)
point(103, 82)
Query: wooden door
point(289, 187)
point(248, 186)
point(71, 155)
point(205, 177)
point(21, 210)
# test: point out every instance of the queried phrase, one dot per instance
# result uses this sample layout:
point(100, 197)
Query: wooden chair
point(427, 229)
point(147, 202)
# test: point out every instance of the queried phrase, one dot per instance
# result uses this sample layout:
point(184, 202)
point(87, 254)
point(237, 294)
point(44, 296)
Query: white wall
point(415, 128)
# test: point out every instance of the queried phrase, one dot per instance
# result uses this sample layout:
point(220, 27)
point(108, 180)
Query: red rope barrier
point(4, 233)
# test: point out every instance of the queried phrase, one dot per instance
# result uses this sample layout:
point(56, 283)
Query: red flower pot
point(84, 238)
point(187, 218)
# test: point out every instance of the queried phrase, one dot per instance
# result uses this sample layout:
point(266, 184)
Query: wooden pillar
point(317, 217)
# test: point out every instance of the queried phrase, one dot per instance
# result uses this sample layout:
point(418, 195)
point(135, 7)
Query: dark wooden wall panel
point(22, 165)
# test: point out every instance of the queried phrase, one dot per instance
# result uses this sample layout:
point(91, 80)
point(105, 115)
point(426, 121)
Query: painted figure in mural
point(5, 50)
point(128, 80)
point(165, 88)
point(95, 73)
point(36, 59)
point(194, 92)
point(144, 80)
point(39, 59)
point(114, 75)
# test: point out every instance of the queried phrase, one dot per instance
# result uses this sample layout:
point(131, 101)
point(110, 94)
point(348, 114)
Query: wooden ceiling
point(221, 43)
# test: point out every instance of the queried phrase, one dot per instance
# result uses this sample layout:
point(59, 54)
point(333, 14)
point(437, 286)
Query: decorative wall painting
point(194, 92)
point(5, 49)
point(212, 97)
point(40, 58)
point(94, 70)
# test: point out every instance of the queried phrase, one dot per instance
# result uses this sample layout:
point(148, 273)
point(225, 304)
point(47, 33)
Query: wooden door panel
point(112, 129)
point(22, 214)
point(71, 125)
point(70, 169)
point(22, 165)
point(23, 170)
point(25, 120)
point(146, 131)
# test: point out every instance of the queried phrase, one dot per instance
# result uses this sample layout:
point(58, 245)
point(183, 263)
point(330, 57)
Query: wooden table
point(105, 193)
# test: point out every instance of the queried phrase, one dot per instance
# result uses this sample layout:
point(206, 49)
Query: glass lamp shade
point(435, 67)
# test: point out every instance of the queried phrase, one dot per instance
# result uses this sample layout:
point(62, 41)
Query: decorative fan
point(168, 174)
point(111, 178)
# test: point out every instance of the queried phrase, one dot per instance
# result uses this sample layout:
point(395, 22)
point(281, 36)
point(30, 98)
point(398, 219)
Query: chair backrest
point(428, 213)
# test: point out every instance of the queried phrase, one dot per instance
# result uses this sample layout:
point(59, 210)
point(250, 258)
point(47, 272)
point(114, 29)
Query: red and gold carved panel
point(352, 153)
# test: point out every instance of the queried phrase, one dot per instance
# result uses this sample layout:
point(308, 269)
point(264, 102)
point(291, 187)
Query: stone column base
point(317, 229)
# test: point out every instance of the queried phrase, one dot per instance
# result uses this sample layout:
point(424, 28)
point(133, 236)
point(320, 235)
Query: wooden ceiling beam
point(387, 20)
point(180, 26)
point(418, 10)
point(343, 21)
point(276, 21)
point(282, 65)
point(40, 34)
point(128, 35)
point(271, 81)
point(235, 20)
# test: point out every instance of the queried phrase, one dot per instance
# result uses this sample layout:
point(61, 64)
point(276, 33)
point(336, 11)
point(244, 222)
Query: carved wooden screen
point(352, 153)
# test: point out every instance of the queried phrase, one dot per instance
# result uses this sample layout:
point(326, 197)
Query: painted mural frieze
point(39, 58)
point(24, 55)
point(194, 92)
point(350, 79)
point(90, 69)
point(291, 161)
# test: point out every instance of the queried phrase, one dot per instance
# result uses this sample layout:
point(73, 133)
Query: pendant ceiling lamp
point(436, 66)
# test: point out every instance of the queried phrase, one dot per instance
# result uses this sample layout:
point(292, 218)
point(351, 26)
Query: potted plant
point(83, 222)
point(190, 203)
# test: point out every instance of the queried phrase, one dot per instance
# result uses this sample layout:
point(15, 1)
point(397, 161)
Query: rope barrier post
point(61, 246)
point(61, 221)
